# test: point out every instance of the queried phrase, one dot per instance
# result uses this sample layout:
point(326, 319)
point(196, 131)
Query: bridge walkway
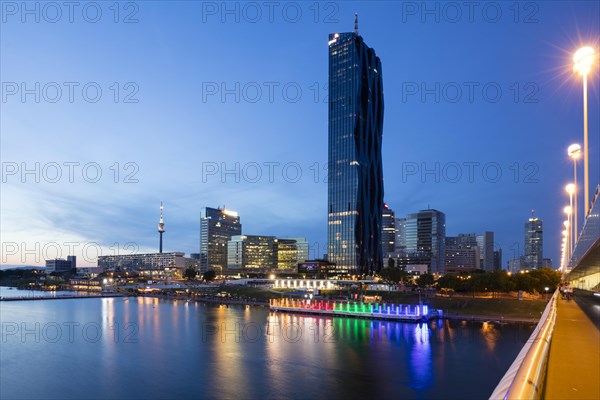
point(574, 360)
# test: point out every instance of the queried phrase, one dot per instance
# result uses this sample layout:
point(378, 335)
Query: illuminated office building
point(534, 244)
point(355, 174)
point(217, 227)
point(426, 235)
point(388, 231)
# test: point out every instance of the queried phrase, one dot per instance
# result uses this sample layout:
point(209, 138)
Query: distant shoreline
point(449, 315)
point(59, 297)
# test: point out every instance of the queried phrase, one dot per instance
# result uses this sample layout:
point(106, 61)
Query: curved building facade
point(355, 173)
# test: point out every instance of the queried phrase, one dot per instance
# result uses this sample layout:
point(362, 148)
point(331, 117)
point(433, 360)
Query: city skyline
point(526, 142)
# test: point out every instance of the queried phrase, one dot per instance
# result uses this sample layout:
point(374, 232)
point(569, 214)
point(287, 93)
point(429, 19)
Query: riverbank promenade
point(574, 361)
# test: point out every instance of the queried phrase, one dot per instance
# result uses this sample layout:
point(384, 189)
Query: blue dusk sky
point(107, 110)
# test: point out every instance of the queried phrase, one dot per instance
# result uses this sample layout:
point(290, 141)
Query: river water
point(150, 348)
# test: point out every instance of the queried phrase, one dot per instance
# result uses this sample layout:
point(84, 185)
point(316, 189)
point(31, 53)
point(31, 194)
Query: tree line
point(533, 281)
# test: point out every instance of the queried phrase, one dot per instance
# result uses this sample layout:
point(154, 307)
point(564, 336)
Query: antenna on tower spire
point(356, 23)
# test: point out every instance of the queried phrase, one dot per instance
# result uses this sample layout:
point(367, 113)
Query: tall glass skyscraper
point(355, 192)
point(534, 243)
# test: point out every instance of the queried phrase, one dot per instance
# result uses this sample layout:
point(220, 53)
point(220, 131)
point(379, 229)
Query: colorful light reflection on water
point(194, 350)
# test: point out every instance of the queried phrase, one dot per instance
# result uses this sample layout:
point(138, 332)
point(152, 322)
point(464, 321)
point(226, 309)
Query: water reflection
point(420, 356)
point(109, 326)
point(191, 350)
point(299, 347)
point(490, 333)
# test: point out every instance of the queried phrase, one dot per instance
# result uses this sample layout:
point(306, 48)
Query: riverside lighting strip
point(352, 309)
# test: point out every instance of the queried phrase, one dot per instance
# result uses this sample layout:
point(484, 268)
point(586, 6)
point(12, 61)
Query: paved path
point(574, 362)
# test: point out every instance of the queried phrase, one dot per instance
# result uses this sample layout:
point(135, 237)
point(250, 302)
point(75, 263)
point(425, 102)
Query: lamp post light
point(567, 237)
point(564, 246)
point(583, 60)
point(570, 188)
point(574, 151)
point(562, 257)
point(546, 289)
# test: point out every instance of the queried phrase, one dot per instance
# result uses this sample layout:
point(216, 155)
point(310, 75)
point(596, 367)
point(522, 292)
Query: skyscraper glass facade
point(252, 252)
point(400, 234)
point(217, 226)
point(291, 252)
point(534, 243)
point(388, 231)
point(265, 253)
point(355, 175)
point(426, 235)
point(485, 242)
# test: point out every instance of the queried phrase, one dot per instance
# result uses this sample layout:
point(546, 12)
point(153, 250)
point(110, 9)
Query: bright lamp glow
point(566, 224)
point(583, 60)
point(230, 213)
point(567, 210)
point(570, 188)
point(574, 150)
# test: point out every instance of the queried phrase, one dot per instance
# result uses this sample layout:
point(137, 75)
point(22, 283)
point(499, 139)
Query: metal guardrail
point(525, 377)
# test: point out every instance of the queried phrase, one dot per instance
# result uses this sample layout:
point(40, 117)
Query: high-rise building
point(73, 261)
point(463, 239)
point(426, 234)
point(265, 253)
point(462, 253)
point(400, 234)
point(388, 231)
point(406, 259)
point(59, 265)
point(217, 226)
point(291, 252)
point(355, 174)
point(498, 260)
point(485, 242)
point(252, 252)
point(460, 257)
point(137, 262)
point(534, 244)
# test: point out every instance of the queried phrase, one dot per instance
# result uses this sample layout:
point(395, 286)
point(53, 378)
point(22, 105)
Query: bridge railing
point(525, 377)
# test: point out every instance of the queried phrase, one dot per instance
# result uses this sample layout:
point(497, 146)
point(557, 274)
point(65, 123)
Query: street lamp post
point(546, 289)
point(574, 152)
point(583, 60)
